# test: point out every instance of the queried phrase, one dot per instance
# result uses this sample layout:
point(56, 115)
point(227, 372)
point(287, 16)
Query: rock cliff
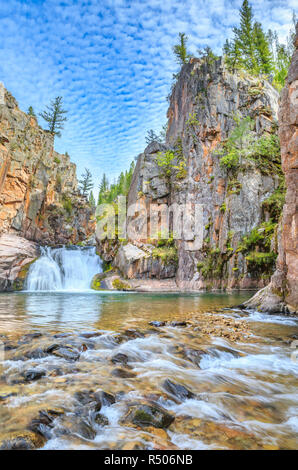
point(239, 218)
point(39, 199)
point(281, 295)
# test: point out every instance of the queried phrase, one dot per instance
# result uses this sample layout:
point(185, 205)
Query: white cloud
point(112, 62)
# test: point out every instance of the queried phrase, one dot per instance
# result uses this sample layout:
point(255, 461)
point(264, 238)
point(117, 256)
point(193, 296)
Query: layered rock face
point(16, 255)
point(39, 200)
point(281, 295)
point(38, 187)
point(204, 104)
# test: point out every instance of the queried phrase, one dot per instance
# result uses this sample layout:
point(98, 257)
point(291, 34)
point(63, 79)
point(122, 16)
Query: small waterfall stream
point(63, 269)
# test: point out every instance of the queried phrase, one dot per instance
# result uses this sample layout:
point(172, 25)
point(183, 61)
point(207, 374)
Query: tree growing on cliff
point(256, 51)
point(180, 50)
point(151, 136)
point(86, 183)
point(244, 37)
point(31, 112)
point(54, 115)
point(92, 199)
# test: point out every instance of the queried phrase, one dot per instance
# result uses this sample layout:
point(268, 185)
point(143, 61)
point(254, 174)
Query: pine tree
point(231, 54)
point(91, 199)
point(262, 46)
point(85, 183)
point(103, 188)
point(54, 115)
point(180, 50)
point(163, 133)
point(151, 137)
point(245, 38)
point(31, 112)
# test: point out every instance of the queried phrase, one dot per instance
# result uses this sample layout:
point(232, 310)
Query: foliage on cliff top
point(109, 192)
point(54, 115)
point(256, 51)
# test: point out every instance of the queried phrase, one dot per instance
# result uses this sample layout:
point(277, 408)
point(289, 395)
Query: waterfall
point(65, 269)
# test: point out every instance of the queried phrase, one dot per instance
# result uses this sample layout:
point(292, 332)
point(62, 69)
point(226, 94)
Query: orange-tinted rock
point(39, 199)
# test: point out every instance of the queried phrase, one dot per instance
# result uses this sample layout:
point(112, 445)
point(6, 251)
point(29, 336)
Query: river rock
point(157, 324)
point(31, 375)
point(101, 420)
point(177, 390)
point(194, 355)
point(26, 440)
point(144, 415)
point(77, 425)
point(120, 358)
point(67, 353)
point(105, 398)
point(123, 373)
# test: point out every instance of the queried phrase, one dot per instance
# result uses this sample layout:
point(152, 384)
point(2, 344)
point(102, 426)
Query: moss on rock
point(120, 285)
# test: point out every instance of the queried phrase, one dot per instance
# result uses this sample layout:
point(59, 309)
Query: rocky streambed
point(224, 379)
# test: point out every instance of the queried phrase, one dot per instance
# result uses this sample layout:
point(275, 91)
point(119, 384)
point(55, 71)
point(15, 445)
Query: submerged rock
point(26, 440)
point(123, 373)
point(105, 398)
point(33, 374)
point(157, 323)
point(120, 358)
point(194, 355)
point(67, 353)
point(101, 420)
point(76, 425)
point(177, 390)
point(144, 415)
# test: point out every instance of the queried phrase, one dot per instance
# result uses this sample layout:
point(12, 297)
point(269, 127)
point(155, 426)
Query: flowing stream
point(65, 344)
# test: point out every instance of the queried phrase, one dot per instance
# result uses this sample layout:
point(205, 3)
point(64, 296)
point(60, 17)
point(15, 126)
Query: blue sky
point(112, 62)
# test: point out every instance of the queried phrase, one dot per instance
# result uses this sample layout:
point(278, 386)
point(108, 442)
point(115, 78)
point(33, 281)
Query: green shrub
point(274, 203)
point(260, 262)
point(167, 254)
point(57, 160)
point(192, 121)
point(67, 204)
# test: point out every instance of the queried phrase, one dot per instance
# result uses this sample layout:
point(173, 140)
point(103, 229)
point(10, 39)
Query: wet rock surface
point(144, 415)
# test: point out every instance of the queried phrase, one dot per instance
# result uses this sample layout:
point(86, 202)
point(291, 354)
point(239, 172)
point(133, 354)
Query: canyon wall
point(39, 198)
point(206, 104)
point(281, 295)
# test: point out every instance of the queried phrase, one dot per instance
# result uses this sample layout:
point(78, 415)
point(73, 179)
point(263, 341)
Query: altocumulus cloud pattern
point(112, 62)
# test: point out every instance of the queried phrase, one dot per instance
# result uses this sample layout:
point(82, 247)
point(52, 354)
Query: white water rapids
point(63, 269)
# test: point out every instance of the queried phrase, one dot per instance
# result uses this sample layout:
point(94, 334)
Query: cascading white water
point(64, 269)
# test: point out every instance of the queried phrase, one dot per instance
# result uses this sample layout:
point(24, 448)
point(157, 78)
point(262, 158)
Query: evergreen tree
point(180, 50)
point(208, 55)
point(151, 137)
point(85, 183)
point(163, 133)
point(245, 38)
point(31, 112)
point(108, 193)
point(262, 46)
point(232, 54)
point(54, 115)
point(91, 199)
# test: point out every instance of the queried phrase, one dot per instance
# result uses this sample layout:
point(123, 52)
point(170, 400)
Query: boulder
point(145, 415)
